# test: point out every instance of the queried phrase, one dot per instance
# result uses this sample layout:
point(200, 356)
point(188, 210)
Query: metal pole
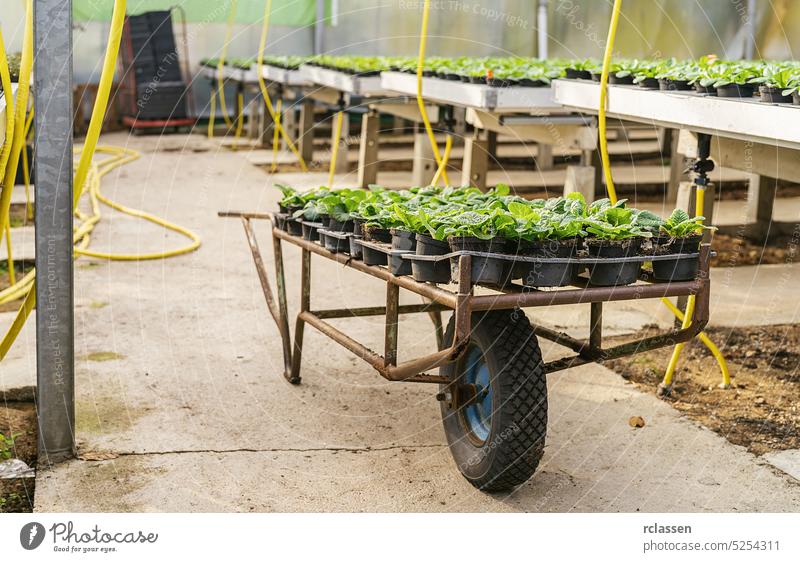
point(319, 28)
point(542, 28)
point(55, 356)
point(750, 30)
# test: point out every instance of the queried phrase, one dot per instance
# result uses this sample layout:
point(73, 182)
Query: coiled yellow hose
point(87, 172)
point(335, 148)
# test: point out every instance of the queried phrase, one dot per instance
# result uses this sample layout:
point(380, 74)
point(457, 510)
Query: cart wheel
point(495, 415)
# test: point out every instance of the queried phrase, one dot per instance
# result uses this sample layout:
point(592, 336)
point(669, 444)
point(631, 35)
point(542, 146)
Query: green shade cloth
point(295, 13)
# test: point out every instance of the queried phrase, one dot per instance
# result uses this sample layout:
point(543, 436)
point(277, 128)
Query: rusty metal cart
point(492, 378)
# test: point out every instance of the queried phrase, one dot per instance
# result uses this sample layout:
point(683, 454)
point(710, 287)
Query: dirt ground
point(735, 251)
point(761, 411)
point(16, 496)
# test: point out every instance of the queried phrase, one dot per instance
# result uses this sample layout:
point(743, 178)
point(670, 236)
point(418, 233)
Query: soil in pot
point(377, 234)
point(403, 240)
point(736, 91)
point(486, 270)
point(536, 274)
point(670, 85)
point(773, 95)
point(680, 269)
point(294, 227)
point(649, 84)
point(619, 273)
point(431, 271)
point(575, 74)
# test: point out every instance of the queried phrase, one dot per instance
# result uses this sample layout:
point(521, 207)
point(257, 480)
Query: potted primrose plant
point(680, 234)
point(615, 231)
point(546, 233)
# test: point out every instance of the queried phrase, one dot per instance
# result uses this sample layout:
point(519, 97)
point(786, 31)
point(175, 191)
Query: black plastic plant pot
point(280, 221)
point(773, 95)
point(649, 84)
point(485, 269)
point(403, 240)
point(453, 77)
point(355, 247)
point(670, 85)
point(397, 265)
point(679, 269)
point(537, 274)
point(700, 89)
point(528, 83)
point(358, 226)
point(294, 227)
point(335, 244)
point(796, 98)
point(596, 76)
point(338, 226)
point(736, 91)
point(371, 256)
point(311, 230)
point(620, 80)
point(614, 273)
point(325, 220)
point(431, 271)
point(377, 234)
point(575, 74)
point(477, 79)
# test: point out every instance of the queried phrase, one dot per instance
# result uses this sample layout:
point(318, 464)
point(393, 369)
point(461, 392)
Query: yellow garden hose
point(448, 145)
point(88, 172)
point(423, 41)
point(221, 63)
point(5, 79)
point(26, 172)
point(601, 118)
point(265, 93)
point(239, 115)
point(337, 139)
point(686, 318)
point(276, 137)
point(20, 110)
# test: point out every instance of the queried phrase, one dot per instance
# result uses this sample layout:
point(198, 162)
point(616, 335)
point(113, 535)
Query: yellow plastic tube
point(221, 63)
point(264, 91)
point(448, 145)
point(423, 41)
point(335, 148)
point(276, 137)
point(612, 195)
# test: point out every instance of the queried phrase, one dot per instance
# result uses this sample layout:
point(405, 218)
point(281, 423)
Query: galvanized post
point(55, 356)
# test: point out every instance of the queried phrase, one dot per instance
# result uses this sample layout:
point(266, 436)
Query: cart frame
point(462, 302)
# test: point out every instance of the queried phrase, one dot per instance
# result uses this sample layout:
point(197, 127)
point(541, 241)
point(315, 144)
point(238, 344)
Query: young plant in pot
point(777, 83)
point(734, 81)
point(477, 231)
point(680, 234)
point(613, 233)
point(542, 234)
point(580, 69)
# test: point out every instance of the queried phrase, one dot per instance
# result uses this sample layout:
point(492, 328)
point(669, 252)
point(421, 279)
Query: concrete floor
point(196, 411)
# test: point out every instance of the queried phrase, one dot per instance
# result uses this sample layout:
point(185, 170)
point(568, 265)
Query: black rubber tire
point(518, 427)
